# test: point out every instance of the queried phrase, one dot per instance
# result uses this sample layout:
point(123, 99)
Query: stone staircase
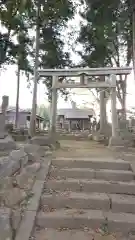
point(88, 194)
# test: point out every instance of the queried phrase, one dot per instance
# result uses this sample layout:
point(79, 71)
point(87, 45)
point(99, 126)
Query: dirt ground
point(72, 148)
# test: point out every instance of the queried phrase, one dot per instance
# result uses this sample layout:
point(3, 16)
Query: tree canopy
point(106, 36)
point(18, 20)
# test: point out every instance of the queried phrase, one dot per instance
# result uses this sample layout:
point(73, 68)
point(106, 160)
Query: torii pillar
point(115, 140)
point(53, 106)
point(102, 112)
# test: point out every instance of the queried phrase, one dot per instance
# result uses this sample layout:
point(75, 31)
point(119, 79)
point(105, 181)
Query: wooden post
point(54, 105)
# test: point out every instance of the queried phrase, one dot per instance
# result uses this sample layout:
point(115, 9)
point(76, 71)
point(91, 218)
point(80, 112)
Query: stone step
point(76, 200)
point(113, 202)
point(94, 219)
point(74, 234)
point(94, 185)
point(81, 173)
point(94, 163)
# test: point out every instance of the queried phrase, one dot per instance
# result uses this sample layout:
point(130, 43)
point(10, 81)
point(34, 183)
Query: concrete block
point(94, 185)
point(43, 172)
point(120, 222)
point(73, 173)
point(133, 167)
point(118, 141)
point(72, 234)
point(128, 156)
point(122, 203)
point(25, 230)
point(62, 185)
point(34, 201)
point(76, 200)
point(114, 175)
point(94, 219)
point(94, 163)
point(72, 218)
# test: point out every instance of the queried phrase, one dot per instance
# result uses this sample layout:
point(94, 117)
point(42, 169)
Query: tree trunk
point(17, 96)
point(124, 100)
point(32, 129)
point(121, 93)
point(133, 27)
point(124, 89)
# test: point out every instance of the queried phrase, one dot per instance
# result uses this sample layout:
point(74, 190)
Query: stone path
point(87, 195)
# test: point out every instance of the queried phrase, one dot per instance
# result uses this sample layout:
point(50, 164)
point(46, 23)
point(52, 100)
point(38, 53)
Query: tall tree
point(13, 17)
point(51, 19)
point(22, 50)
point(106, 36)
point(55, 15)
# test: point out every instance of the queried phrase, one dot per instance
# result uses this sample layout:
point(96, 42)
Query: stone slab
point(120, 222)
point(122, 203)
point(13, 196)
point(73, 173)
point(28, 221)
point(45, 166)
point(94, 185)
point(93, 163)
point(133, 167)
point(24, 180)
point(5, 228)
point(34, 201)
point(71, 218)
point(115, 175)
point(25, 230)
point(17, 154)
point(8, 166)
point(7, 144)
point(78, 219)
point(43, 140)
point(16, 217)
point(76, 200)
point(85, 173)
point(118, 141)
point(128, 156)
point(66, 234)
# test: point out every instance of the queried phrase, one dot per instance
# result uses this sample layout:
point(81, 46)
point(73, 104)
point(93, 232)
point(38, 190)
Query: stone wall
point(18, 173)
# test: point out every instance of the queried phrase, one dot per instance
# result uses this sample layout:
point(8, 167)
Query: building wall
point(84, 123)
point(22, 118)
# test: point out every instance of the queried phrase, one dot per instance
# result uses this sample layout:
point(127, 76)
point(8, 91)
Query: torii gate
point(81, 72)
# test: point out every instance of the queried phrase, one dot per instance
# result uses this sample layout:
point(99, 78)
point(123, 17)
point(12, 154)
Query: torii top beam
point(72, 72)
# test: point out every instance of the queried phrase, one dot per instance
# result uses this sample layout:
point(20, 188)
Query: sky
point(8, 83)
point(8, 86)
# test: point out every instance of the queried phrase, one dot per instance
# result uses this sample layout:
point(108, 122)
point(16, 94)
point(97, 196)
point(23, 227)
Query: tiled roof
point(76, 113)
point(28, 110)
point(13, 109)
